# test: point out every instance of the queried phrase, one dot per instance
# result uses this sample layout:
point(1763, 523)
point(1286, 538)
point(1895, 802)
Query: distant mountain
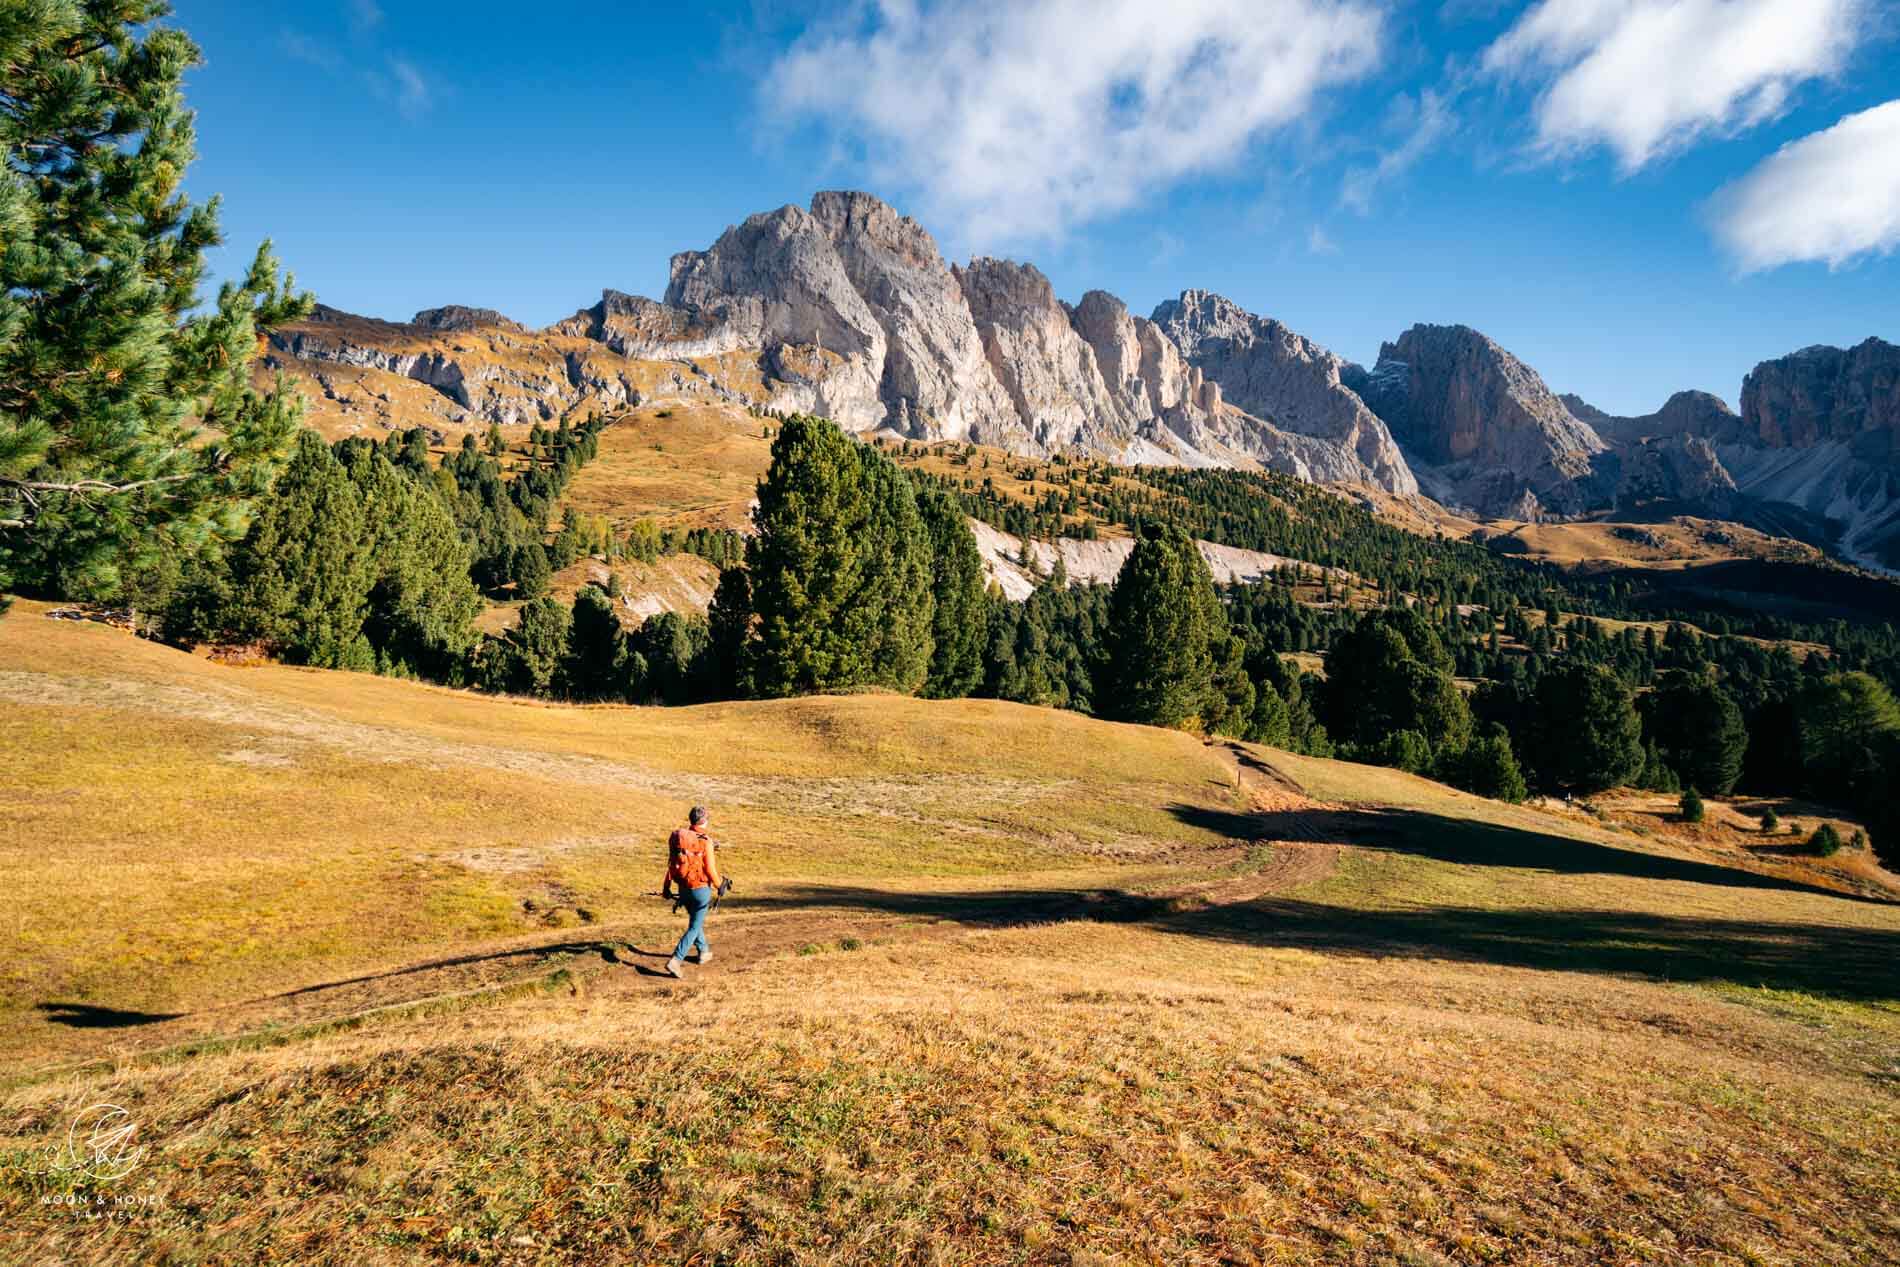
point(848, 309)
point(1480, 427)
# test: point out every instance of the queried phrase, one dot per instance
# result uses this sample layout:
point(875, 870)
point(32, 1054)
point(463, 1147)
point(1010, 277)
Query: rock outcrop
point(1290, 382)
point(1480, 428)
point(1689, 413)
point(1820, 430)
point(1679, 469)
point(1821, 395)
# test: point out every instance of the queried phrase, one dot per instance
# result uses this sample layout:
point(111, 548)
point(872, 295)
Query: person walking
point(692, 863)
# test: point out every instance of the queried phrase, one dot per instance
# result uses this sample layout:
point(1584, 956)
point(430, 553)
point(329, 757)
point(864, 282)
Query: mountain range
point(849, 310)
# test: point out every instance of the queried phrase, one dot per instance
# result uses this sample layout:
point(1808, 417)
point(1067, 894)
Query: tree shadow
point(91, 1016)
point(1815, 958)
point(1467, 842)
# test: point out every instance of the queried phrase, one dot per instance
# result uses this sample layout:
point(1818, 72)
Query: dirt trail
point(602, 959)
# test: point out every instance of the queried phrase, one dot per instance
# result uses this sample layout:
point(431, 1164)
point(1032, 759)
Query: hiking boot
point(705, 957)
point(673, 968)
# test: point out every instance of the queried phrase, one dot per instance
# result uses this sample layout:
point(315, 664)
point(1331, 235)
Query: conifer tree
point(533, 651)
point(594, 665)
point(839, 568)
point(421, 603)
point(804, 561)
point(301, 577)
point(1161, 629)
point(1586, 735)
point(131, 437)
point(1698, 730)
point(890, 611)
point(728, 630)
point(959, 616)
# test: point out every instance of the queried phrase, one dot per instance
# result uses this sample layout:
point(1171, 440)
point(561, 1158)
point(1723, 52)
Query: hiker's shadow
point(626, 955)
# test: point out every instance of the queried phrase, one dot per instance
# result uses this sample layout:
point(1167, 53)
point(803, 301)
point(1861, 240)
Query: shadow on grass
point(1469, 843)
point(1822, 959)
point(90, 1016)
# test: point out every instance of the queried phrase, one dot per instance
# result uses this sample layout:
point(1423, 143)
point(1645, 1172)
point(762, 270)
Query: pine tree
point(1846, 721)
point(959, 616)
point(1160, 665)
point(729, 629)
point(301, 576)
point(1698, 730)
point(804, 562)
point(594, 662)
point(131, 437)
point(1691, 805)
point(890, 611)
point(1586, 736)
point(839, 568)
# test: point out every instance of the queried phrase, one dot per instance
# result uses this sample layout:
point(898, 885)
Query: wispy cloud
point(364, 55)
point(1421, 122)
point(311, 52)
point(1649, 77)
point(412, 90)
point(1020, 119)
point(1832, 196)
point(1320, 242)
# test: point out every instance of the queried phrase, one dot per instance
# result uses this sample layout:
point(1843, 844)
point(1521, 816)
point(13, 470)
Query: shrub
point(1825, 842)
point(1858, 840)
point(1692, 808)
point(1769, 821)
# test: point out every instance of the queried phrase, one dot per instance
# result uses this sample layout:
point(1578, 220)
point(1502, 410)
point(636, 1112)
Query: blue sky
point(1635, 196)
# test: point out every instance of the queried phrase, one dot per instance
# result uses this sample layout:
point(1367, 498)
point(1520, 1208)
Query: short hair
point(698, 815)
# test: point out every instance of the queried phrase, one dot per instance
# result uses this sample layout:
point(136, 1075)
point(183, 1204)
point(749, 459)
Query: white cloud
point(365, 15)
point(1648, 77)
point(1832, 196)
point(413, 92)
point(1320, 242)
point(1020, 119)
point(1423, 123)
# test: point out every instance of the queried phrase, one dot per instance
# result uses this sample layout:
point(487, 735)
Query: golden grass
point(998, 985)
point(682, 465)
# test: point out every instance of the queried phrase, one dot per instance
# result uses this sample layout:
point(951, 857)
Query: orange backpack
point(688, 861)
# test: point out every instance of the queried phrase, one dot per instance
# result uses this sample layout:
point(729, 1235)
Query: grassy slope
point(1001, 983)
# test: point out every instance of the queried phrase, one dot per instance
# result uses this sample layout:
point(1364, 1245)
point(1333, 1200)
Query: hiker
point(693, 865)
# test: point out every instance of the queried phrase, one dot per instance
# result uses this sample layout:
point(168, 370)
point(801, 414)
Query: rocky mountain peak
point(1480, 425)
point(460, 317)
point(1288, 380)
point(1823, 394)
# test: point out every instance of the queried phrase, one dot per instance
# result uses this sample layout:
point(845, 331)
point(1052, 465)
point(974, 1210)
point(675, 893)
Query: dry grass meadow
point(370, 966)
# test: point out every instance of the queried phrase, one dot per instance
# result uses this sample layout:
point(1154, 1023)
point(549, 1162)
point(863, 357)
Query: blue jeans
point(697, 901)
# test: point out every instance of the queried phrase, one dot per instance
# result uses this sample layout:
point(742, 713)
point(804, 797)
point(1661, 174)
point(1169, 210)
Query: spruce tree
point(729, 629)
point(890, 611)
point(960, 609)
point(131, 437)
point(839, 568)
point(1160, 664)
point(535, 648)
point(1585, 736)
point(595, 660)
point(1693, 810)
point(805, 563)
point(421, 604)
point(1698, 730)
point(301, 577)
